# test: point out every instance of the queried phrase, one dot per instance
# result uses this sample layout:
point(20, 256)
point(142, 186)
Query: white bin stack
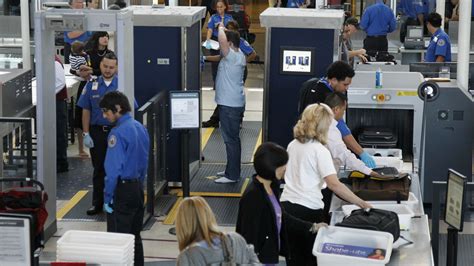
point(96, 247)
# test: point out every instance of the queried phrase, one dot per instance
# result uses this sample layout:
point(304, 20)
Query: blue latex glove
point(88, 142)
point(208, 45)
point(108, 208)
point(367, 159)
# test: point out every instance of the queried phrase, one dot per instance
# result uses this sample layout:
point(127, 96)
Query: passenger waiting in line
point(230, 99)
point(72, 36)
point(62, 164)
point(310, 169)
point(201, 242)
point(96, 127)
point(250, 55)
point(262, 221)
point(439, 49)
point(351, 25)
point(212, 31)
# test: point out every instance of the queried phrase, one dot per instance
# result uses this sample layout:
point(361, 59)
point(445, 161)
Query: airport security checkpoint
point(237, 132)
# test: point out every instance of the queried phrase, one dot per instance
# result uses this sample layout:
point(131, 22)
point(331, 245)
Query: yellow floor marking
point(205, 137)
point(257, 144)
point(172, 214)
point(70, 204)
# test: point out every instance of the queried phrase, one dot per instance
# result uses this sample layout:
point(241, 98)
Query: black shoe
point(210, 123)
point(62, 169)
point(94, 210)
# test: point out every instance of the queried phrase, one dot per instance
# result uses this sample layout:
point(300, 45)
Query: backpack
point(373, 219)
point(307, 94)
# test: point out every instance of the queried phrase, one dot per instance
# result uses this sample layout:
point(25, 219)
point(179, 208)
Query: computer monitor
point(414, 32)
point(455, 200)
point(432, 69)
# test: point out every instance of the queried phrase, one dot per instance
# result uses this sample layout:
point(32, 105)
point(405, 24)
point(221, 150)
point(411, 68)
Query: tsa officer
point(439, 49)
point(95, 127)
point(126, 167)
point(377, 21)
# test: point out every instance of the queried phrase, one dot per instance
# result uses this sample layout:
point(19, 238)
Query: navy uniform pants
point(99, 135)
point(127, 216)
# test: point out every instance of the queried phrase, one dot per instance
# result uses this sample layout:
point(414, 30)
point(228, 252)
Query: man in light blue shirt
point(230, 98)
point(377, 21)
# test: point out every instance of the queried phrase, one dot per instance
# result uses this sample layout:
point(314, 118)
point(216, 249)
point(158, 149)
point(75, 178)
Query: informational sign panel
point(454, 212)
point(297, 60)
point(15, 243)
point(184, 109)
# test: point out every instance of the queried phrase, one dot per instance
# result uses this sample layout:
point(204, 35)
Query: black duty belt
point(103, 128)
point(129, 181)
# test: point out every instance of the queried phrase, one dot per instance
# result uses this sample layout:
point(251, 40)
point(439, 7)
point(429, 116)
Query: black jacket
point(256, 223)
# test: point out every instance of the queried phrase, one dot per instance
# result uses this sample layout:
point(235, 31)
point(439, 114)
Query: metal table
point(418, 253)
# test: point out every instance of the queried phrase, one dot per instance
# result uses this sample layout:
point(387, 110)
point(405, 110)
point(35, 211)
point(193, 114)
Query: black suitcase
point(378, 138)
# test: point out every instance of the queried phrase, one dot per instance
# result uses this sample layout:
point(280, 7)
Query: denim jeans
point(230, 129)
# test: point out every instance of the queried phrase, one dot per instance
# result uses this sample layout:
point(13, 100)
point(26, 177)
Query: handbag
point(392, 186)
point(373, 219)
point(229, 259)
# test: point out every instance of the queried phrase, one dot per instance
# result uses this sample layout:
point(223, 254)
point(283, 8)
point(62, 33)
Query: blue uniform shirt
point(295, 3)
point(91, 96)
point(439, 45)
point(378, 19)
point(341, 124)
point(82, 38)
point(411, 8)
point(245, 47)
point(215, 20)
point(127, 154)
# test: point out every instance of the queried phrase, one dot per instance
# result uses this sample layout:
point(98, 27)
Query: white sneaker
point(225, 180)
point(220, 174)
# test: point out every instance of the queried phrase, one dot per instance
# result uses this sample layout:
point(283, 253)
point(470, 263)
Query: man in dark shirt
point(339, 77)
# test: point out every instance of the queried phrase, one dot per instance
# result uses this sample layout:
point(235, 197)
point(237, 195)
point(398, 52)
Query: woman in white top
point(310, 167)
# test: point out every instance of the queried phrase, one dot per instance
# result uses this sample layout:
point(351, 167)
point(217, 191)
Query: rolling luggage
point(377, 138)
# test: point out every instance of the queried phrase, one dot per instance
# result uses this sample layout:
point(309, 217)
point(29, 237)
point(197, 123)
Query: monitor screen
point(415, 32)
point(296, 60)
point(454, 208)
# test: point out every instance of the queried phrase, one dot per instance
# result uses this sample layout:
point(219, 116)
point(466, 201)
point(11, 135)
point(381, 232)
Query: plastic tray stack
point(96, 247)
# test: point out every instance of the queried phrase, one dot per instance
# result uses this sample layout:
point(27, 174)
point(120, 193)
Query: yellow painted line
point(70, 204)
point(244, 186)
point(213, 194)
point(172, 214)
point(205, 137)
point(257, 144)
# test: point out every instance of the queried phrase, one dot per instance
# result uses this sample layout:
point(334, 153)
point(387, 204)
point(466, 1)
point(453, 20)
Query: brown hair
point(195, 222)
point(77, 47)
point(314, 124)
point(232, 25)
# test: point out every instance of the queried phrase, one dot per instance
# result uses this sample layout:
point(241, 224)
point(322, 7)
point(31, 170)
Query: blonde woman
point(202, 243)
point(310, 167)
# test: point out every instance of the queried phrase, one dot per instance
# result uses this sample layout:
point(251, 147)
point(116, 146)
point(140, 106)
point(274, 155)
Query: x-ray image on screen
point(297, 60)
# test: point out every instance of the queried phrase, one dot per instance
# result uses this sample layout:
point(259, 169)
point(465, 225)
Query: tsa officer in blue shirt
point(126, 166)
point(439, 49)
point(377, 21)
point(413, 15)
point(95, 127)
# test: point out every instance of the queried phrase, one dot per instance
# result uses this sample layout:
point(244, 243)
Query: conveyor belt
point(214, 151)
point(202, 184)
point(465, 248)
point(163, 204)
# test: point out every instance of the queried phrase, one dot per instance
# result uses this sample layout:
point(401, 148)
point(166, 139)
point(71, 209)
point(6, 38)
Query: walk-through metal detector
point(46, 23)
point(167, 50)
point(300, 44)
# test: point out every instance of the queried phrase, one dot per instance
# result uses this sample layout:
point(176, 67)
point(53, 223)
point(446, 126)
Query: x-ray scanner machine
point(396, 105)
point(46, 24)
point(300, 44)
point(167, 50)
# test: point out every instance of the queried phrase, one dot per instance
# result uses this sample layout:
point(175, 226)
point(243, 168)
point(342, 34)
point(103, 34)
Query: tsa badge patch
point(112, 141)
point(441, 42)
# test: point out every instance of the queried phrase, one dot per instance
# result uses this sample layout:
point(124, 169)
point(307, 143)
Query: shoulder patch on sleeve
point(112, 141)
point(441, 42)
